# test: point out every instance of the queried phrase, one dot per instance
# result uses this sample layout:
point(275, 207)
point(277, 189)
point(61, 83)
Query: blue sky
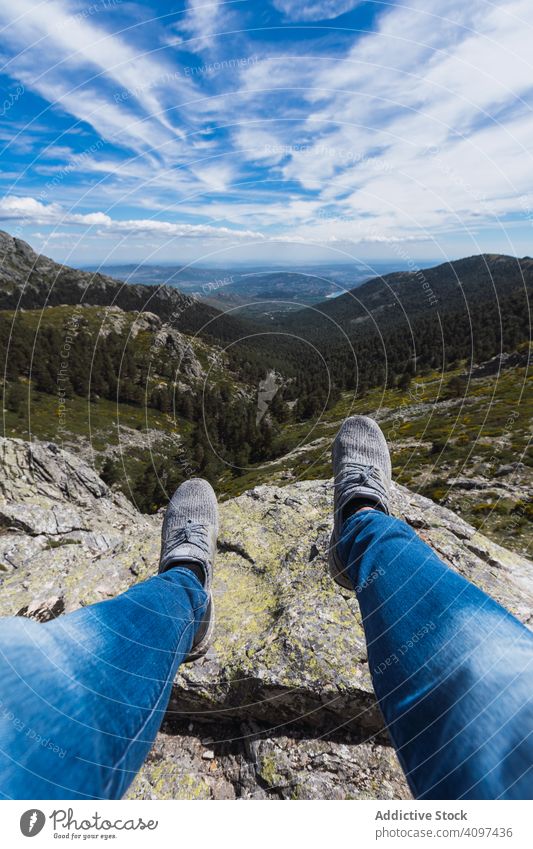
point(283, 130)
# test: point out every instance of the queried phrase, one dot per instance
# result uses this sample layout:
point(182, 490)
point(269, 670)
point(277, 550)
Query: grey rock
point(283, 700)
point(28, 279)
point(178, 346)
point(43, 611)
point(499, 362)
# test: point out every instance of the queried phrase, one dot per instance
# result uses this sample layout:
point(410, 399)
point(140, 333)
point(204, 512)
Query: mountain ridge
point(29, 280)
point(155, 396)
point(18, 258)
point(439, 287)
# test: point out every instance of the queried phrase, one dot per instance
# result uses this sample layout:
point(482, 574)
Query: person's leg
point(452, 670)
point(82, 697)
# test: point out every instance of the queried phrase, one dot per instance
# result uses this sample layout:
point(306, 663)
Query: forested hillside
point(154, 386)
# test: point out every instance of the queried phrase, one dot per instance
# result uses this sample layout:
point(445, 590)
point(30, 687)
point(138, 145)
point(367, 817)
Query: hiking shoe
point(189, 538)
point(362, 469)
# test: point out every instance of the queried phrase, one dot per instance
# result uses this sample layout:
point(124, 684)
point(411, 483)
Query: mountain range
point(251, 287)
point(158, 385)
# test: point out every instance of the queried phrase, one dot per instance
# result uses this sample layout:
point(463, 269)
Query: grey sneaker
point(362, 469)
point(189, 537)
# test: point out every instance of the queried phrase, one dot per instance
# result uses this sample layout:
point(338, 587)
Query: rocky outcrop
point(179, 347)
point(282, 705)
point(116, 320)
point(501, 361)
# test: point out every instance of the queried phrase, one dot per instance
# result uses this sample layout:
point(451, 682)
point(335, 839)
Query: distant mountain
point(249, 288)
point(382, 330)
point(154, 386)
point(399, 325)
point(395, 298)
point(30, 281)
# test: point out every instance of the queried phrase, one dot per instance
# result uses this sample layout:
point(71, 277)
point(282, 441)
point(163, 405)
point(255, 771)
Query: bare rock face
point(59, 524)
point(501, 361)
point(43, 611)
point(178, 345)
point(282, 705)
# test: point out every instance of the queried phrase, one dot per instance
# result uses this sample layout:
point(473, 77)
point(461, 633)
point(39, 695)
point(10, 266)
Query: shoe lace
point(193, 532)
point(360, 474)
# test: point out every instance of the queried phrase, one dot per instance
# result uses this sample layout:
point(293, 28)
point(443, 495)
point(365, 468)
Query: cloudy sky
point(267, 130)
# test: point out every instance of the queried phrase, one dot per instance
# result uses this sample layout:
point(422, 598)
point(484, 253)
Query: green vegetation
point(434, 440)
point(152, 403)
point(151, 406)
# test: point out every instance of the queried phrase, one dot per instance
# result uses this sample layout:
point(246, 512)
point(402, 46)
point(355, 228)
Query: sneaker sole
point(201, 647)
point(336, 569)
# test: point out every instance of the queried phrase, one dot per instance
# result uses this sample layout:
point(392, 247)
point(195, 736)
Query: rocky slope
point(30, 280)
point(282, 705)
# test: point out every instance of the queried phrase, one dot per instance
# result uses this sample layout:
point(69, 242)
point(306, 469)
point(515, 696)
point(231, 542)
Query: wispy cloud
point(414, 124)
point(404, 133)
point(79, 66)
point(201, 23)
point(315, 10)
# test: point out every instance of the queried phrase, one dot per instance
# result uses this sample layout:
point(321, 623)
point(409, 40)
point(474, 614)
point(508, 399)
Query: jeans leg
point(82, 697)
point(452, 670)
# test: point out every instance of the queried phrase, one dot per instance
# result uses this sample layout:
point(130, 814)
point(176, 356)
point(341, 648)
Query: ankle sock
point(355, 505)
point(195, 568)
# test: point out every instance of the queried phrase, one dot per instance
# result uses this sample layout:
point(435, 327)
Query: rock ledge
point(282, 705)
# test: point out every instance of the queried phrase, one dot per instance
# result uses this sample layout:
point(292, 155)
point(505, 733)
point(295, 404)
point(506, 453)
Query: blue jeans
point(83, 696)
point(452, 670)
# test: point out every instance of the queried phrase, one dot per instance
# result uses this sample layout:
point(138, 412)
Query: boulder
point(282, 705)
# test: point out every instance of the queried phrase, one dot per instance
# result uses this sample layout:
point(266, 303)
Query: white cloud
point(434, 76)
point(216, 176)
point(421, 126)
point(76, 64)
point(201, 23)
point(167, 228)
point(314, 10)
point(32, 211)
point(29, 209)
